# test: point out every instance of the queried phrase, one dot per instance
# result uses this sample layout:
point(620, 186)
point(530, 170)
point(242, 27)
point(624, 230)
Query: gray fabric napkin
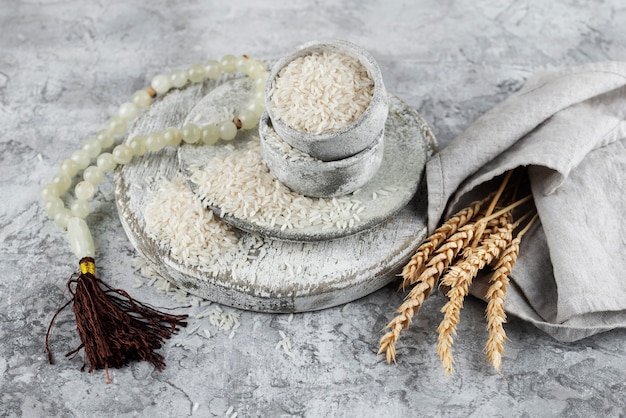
point(568, 127)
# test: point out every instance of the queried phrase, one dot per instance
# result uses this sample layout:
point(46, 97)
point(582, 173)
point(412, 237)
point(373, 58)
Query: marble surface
point(65, 65)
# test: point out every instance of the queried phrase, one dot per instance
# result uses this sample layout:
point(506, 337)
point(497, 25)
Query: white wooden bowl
point(344, 142)
point(313, 177)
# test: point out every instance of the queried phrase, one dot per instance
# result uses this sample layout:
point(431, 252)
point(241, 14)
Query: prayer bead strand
point(96, 149)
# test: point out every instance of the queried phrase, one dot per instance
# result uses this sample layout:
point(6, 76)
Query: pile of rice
point(178, 221)
point(321, 92)
point(242, 186)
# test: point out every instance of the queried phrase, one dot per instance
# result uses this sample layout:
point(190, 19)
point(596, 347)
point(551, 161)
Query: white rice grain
point(241, 186)
point(321, 92)
point(175, 218)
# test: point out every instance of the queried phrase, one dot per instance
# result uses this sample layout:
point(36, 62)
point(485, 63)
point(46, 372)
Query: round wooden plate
point(270, 275)
point(391, 188)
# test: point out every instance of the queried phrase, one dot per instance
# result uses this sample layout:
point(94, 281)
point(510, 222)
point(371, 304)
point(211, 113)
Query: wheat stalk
point(452, 256)
point(496, 295)
point(459, 278)
point(414, 268)
point(492, 206)
point(426, 282)
point(406, 311)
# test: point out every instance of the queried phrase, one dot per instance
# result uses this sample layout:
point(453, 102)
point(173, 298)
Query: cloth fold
point(569, 128)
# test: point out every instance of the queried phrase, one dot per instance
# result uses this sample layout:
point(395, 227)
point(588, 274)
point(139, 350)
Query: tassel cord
point(114, 328)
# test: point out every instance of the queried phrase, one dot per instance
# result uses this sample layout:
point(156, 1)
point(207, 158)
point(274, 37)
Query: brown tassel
point(114, 328)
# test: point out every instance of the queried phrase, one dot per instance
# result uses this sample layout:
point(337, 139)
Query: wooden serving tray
point(279, 276)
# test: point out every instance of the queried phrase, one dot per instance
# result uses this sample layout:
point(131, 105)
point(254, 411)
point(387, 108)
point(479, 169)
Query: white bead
point(155, 142)
point(93, 175)
point(81, 158)
point(106, 162)
point(127, 111)
point(255, 68)
point(116, 125)
point(63, 181)
point(172, 136)
point(141, 99)
point(80, 238)
point(195, 73)
point(93, 147)
point(138, 145)
point(69, 168)
point(243, 64)
point(212, 69)
point(248, 119)
point(84, 190)
point(52, 206)
point(178, 78)
point(161, 83)
point(261, 81)
point(80, 208)
point(50, 191)
point(228, 63)
point(122, 154)
point(106, 139)
point(210, 134)
point(257, 107)
point(228, 130)
point(61, 218)
point(259, 95)
point(191, 133)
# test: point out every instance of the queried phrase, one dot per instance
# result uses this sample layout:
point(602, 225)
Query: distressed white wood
point(279, 276)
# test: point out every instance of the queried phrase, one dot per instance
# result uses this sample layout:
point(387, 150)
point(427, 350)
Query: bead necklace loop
point(95, 160)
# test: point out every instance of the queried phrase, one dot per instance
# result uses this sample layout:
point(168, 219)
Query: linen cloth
point(568, 127)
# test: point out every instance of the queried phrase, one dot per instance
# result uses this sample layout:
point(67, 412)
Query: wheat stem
point(506, 209)
point(492, 206)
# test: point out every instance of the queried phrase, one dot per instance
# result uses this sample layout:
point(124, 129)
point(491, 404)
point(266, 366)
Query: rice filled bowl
point(300, 108)
point(312, 177)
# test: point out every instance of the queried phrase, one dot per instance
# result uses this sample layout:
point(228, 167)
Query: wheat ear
point(426, 282)
point(496, 295)
point(406, 311)
point(458, 279)
point(414, 268)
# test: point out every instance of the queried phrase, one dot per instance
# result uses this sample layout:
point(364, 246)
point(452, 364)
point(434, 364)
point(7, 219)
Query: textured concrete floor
point(66, 65)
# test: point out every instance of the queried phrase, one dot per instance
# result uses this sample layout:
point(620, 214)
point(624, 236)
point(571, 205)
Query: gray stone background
point(66, 65)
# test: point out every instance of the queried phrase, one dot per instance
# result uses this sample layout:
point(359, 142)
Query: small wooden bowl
point(344, 142)
point(313, 177)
